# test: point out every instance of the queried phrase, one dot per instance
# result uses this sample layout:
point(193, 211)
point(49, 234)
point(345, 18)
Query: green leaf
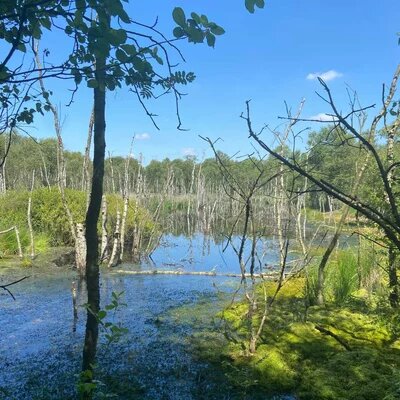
point(122, 56)
point(250, 4)
point(178, 32)
point(124, 17)
point(260, 3)
point(4, 74)
point(101, 314)
point(68, 30)
point(36, 32)
point(21, 47)
point(204, 20)
point(179, 16)
point(217, 30)
point(210, 39)
point(196, 18)
point(195, 35)
point(92, 83)
point(129, 49)
point(46, 23)
point(117, 36)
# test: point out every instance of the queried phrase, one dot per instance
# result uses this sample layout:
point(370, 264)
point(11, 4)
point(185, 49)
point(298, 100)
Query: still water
point(41, 342)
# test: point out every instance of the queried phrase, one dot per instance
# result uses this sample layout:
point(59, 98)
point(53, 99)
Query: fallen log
point(197, 273)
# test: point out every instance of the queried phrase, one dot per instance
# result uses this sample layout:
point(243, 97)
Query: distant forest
point(332, 161)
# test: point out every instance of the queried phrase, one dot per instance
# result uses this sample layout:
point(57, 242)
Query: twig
point(5, 287)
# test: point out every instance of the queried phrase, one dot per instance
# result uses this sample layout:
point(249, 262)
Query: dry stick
point(137, 233)
point(190, 193)
point(86, 159)
point(126, 200)
point(116, 242)
point(340, 340)
point(114, 259)
point(29, 217)
point(112, 172)
point(57, 125)
point(74, 305)
point(21, 255)
point(61, 170)
point(104, 234)
point(46, 174)
point(7, 230)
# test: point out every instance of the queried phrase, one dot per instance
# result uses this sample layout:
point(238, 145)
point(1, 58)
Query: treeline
point(332, 161)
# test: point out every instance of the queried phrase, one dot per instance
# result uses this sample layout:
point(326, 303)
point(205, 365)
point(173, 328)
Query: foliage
point(91, 29)
point(113, 332)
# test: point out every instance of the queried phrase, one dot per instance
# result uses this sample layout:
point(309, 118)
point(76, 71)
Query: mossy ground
point(294, 357)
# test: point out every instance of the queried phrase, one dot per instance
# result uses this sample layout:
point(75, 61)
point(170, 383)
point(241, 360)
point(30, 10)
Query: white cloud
point(323, 117)
point(142, 136)
point(188, 151)
point(326, 76)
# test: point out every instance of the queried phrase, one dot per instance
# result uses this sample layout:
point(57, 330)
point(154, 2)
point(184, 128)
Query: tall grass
point(342, 276)
point(310, 287)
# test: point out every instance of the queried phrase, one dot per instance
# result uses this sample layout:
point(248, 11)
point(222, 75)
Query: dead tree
point(246, 222)
point(104, 256)
point(79, 240)
point(29, 216)
point(388, 217)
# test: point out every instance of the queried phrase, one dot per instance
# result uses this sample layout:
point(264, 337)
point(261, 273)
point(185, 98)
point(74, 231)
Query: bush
point(49, 220)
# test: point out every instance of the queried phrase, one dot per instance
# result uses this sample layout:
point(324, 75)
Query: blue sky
point(266, 57)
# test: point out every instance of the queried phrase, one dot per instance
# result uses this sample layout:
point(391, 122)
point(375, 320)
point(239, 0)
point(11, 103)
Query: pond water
point(41, 342)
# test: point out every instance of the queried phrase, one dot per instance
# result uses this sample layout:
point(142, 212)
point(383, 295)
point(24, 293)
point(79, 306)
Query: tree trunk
point(92, 216)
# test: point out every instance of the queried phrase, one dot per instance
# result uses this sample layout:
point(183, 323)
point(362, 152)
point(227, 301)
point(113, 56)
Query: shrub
point(49, 220)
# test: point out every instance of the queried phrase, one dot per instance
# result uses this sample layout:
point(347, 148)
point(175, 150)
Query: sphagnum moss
point(295, 357)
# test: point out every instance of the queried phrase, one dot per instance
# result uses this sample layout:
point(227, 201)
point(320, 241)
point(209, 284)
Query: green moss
point(295, 357)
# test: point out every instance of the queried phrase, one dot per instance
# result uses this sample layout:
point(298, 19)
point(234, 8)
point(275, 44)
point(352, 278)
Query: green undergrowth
point(358, 359)
point(49, 220)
